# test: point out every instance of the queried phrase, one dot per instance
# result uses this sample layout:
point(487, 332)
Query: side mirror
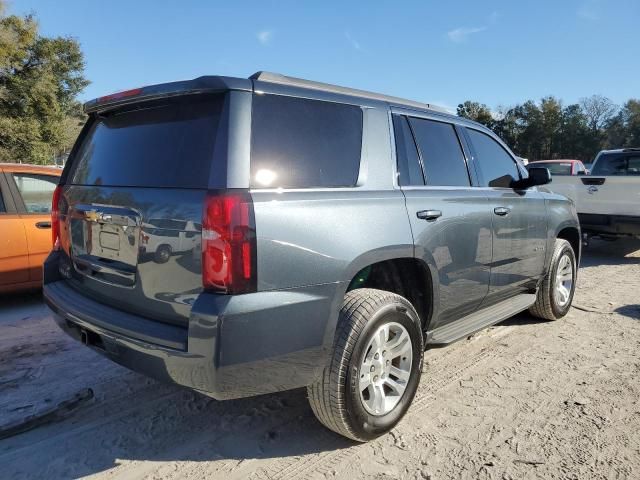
point(581, 172)
point(538, 176)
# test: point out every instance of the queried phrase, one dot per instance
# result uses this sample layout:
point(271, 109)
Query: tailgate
point(133, 199)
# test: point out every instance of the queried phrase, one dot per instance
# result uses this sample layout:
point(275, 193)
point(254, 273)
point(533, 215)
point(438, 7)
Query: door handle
point(502, 211)
point(43, 225)
point(429, 214)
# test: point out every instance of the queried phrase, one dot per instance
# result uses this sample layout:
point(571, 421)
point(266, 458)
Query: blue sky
point(444, 52)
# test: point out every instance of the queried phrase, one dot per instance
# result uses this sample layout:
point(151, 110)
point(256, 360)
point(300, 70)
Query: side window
point(497, 166)
point(633, 166)
point(617, 164)
point(406, 154)
point(441, 153)
point(610, 165)
point(36, 191)
point(3, 209)
point(301, 143)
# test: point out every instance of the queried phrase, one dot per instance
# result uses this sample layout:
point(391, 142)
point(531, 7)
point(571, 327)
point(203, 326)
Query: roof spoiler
point(206, 84)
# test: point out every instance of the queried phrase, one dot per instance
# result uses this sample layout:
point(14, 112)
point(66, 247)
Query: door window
point(441, 153)
point(497, 166)
point(36, 191)
point(3, 209)
point(409, 169)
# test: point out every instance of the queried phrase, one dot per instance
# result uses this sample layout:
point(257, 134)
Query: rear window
point(166, 144)
point(301, 143)
point(617, 164)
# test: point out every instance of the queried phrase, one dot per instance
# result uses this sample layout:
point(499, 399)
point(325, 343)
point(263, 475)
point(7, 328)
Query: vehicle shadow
point(631, 311)
point(222, 434)
point(625, 251)
point(17, 306)
point(523, 318)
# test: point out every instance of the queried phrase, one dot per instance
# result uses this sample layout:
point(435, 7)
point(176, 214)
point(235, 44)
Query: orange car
point(25, 223)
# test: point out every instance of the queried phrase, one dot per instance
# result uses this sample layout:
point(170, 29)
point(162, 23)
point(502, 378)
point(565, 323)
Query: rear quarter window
point(301, 143)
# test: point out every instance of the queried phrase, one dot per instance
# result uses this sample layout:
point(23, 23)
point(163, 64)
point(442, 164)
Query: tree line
point(548, 129)
point(40, 78)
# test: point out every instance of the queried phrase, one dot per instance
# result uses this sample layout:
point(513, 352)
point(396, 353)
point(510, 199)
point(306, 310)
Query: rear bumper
point(234, 346)
point(609, 224)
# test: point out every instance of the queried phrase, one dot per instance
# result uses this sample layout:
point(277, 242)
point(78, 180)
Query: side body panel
point(327, 235)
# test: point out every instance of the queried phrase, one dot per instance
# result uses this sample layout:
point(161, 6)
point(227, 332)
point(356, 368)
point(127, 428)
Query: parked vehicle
point(608, 200)
point(358, 230)
point(163, 237)
point(561, 167)
point(25, 223)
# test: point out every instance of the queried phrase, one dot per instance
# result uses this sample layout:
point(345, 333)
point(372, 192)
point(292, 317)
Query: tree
point(598, 110)
point(40, 79)
point(631, 114)
point(478, 112)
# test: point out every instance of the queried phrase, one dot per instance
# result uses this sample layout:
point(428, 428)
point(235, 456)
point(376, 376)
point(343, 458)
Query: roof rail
point(326, 87)
point(631, 149)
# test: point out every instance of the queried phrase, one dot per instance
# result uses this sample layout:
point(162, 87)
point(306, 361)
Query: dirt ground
point(523, 399)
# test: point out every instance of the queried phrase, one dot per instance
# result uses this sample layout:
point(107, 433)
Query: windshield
point(167, 144)
point(555, 168)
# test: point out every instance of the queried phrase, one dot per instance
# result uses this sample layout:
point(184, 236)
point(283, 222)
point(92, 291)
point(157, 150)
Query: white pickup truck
point(607, 200)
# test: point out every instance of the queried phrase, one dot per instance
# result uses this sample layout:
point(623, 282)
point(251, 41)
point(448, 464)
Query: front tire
point(375, 368)
point(556, 292)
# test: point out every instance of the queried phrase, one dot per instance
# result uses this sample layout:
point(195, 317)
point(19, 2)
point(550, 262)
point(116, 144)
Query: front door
point(519, 219)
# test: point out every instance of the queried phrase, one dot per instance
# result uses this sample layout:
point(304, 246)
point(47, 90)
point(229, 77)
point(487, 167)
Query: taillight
point(117, 96)
point(55, 218)
point(229, 243)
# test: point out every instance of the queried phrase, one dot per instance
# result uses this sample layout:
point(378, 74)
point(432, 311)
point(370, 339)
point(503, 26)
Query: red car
point(561, 167)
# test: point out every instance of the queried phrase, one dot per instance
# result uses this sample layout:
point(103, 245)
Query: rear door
point(14, 255)
point(519, 219)
point(135, 185)
point(450, 220)
point(33, 199)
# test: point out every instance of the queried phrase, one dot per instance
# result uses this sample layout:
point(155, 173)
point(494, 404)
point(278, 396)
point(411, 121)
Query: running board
point(478, 320)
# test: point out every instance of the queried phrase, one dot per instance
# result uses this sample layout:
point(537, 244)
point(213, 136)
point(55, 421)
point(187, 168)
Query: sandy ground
point(524, 399)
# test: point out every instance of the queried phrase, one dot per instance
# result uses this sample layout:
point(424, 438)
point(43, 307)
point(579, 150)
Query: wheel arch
point(407, 276)
point(572, 235)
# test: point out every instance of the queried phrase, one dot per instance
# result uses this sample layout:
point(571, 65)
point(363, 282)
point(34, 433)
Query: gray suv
point(247, 236)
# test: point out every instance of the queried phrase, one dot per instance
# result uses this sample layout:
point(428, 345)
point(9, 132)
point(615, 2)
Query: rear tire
point(163, 253)
point(371, 322)
point(553, 302)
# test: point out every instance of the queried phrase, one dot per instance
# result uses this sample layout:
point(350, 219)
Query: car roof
point(621, 150)
point(221, 83)
point(28, 168)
